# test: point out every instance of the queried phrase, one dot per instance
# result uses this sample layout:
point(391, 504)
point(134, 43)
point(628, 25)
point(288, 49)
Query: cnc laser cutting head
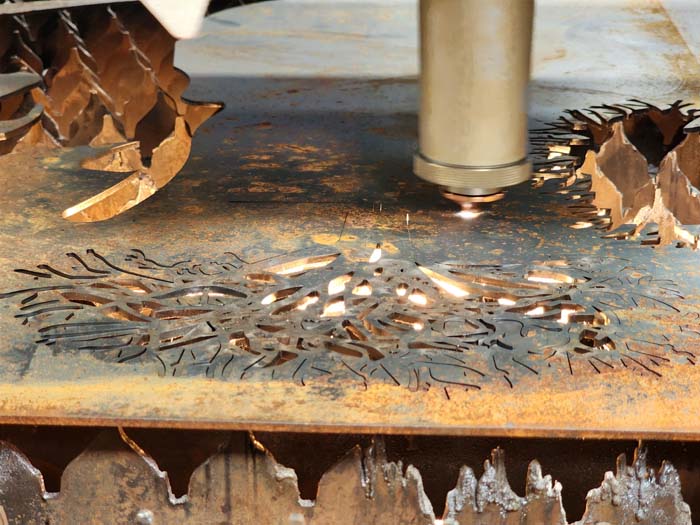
point(475, 67)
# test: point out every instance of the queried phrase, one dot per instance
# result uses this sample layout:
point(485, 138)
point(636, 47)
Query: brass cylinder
point(475, 67)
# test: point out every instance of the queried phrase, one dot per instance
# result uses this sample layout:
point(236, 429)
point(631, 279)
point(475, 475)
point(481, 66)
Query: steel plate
point(296, 275)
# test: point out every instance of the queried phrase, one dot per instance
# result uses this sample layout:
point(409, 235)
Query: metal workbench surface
point(296, 275)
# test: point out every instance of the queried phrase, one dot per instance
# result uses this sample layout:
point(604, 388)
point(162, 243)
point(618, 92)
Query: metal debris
point(626, 167)
point(99, 77)
point(115, 481)
point(637, 494)
point(487, 499)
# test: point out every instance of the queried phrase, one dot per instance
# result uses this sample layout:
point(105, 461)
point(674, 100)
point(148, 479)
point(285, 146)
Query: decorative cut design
point(626, 167)
point(103, 77)
point(115, 481)
point(449, 325)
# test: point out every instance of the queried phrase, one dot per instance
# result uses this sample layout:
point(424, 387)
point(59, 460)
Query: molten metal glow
point(195, 294)
point(303, 265)
point(364, 288)
point(269, 299)
point(307, 301)
point(539, 310)
point(334, 308)
point(468, 214)
point(337, 285)
point(560, 149)
point(549, 278)
point(565, 315)
point(418, 297)
point(451, 286)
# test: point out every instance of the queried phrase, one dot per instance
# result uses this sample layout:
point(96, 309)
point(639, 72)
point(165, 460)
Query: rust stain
point(541, 409)
point(685, 64)
point(329, 239)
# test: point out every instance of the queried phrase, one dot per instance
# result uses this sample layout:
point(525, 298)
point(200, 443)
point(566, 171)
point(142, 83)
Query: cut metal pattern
point(102, 77)
point(626, 167)
point(447, 325)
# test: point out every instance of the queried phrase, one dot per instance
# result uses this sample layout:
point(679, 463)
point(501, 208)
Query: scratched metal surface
point(296, 274)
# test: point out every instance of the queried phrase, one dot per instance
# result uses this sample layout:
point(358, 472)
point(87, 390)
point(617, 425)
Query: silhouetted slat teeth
point(65, 17)
point(65, 40)
point(158, 47)
point(636, 494)
point(125, 73)
point(243, 483)
point(72, 90)
point(25, 54)
point(21, 23)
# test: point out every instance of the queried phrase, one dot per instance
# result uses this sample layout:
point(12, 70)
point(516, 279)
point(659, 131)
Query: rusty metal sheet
point(297, 276)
